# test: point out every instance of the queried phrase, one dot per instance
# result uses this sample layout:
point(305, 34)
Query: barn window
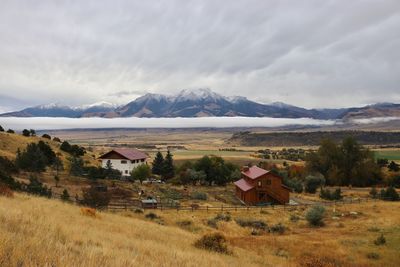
point(123, 161)
point(268, 181)
point(259, 183)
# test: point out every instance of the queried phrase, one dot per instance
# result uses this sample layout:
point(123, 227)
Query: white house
point(124, 159)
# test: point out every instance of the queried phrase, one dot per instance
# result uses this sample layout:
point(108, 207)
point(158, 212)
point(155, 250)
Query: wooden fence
point(133, 204)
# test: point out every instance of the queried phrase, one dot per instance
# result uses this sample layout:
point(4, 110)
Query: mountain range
point(203, 103)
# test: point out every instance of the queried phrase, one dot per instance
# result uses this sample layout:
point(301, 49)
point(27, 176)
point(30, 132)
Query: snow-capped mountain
point(199, 103)
point(59, 110)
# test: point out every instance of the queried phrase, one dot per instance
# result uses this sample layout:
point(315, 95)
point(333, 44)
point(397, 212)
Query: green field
point(387, 154)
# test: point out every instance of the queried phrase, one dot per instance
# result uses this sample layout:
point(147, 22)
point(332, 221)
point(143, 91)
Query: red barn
point(261, 186)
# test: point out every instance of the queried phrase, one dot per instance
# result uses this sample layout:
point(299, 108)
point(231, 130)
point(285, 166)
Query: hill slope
point(43, 232)
point(56, 234)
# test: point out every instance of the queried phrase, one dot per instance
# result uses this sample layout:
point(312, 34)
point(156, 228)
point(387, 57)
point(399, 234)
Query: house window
point(142, 160)
point(126, 171)
point(123, 161)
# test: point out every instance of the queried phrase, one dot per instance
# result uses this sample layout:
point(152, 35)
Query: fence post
point(247, 208)
point(235, 208)
point(207, 208)
point(222, 207)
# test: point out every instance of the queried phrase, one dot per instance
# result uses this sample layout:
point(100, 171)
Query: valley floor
point(43, 232)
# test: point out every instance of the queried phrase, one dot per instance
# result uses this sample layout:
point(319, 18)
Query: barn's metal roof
point(243, 185)
point(254, 172)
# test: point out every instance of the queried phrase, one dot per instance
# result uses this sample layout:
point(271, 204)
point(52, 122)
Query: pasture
point(43, 232)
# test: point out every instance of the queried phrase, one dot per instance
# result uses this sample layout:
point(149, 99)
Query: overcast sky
point(306, 53)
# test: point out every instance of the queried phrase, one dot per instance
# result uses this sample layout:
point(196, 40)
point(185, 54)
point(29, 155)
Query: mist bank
point(47, 123)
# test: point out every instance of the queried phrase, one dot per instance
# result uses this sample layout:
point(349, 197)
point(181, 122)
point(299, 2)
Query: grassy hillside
point(10, 143)
point(42, 232)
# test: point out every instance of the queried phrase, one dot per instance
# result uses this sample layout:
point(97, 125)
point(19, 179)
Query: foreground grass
point(42, 232)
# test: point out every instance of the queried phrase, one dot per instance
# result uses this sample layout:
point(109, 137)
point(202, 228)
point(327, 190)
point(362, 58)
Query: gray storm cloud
point(307, 53)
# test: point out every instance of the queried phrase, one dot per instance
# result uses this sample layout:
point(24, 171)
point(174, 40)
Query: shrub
point(393, 166)
point(9, 181)
point(380, 240)
point(152, 216)
point(315, 215)
point(223, 217)
point(294, 184)
point(138, 211)
point(373, 192)
point(46, 136)
point(294, 217)
point(96, 196)
point(56, 139)
point(65, 195)
point(373, 255)
point(257, 224)
point(1, 129)
point(277, 228)
point(6, 191)
point(184, 223)
point(213, 242)
point(88, 212)
point(10, 131)
point(390, 194)
point(37, 188)
point(212, 223)
point(329, 195)
point(312, 183)
point(26, 132)
point(199, 195)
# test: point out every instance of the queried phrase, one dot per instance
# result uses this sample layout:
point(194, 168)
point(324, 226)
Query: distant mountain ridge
point(203, 103)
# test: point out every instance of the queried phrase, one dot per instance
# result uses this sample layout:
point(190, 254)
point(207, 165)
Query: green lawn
point(387, 154)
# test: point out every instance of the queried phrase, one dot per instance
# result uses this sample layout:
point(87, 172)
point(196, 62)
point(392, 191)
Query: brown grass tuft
point(6, 191)
point(89, 212)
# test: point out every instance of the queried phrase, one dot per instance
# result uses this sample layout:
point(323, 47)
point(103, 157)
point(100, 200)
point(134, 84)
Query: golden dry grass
point(41, 232)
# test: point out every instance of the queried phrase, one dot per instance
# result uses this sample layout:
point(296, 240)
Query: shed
point(149, 203)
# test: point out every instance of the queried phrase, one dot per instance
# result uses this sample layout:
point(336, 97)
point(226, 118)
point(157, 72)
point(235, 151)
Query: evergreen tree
point(31, 159)
point(32, 132)
point(26, 133)
point(56, 179)
point(168, 170)
point(57, 164)
point(11, 131)
point(76, 166)
point(46, 136)
point(158, 164)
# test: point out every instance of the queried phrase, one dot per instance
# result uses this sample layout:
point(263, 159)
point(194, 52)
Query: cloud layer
point(309, 53)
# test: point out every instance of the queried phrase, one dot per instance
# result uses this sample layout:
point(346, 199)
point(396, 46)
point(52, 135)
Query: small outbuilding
point(259, 186)
point(149, 203)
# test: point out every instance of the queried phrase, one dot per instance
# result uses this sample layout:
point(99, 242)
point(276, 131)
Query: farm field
point(390, 154)
point(59, 234)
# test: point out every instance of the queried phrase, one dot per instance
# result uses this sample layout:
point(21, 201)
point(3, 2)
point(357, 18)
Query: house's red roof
point(254, 172)
point(243, 185)
point(128, 153)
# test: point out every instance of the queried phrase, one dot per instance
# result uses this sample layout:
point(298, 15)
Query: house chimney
point(245, 168)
